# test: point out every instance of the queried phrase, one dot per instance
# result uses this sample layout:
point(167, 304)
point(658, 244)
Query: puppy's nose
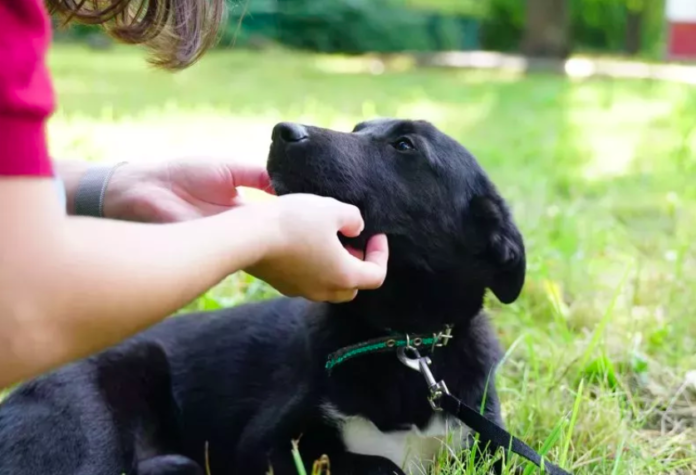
point(289, 132)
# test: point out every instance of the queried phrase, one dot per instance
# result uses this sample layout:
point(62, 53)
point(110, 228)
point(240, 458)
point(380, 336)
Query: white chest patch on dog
point(413, 450)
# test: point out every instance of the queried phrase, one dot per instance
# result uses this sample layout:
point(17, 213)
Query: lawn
point(600, 174)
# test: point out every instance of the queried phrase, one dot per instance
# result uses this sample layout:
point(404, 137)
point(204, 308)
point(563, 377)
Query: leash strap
point(440, 399)
point(496, 435)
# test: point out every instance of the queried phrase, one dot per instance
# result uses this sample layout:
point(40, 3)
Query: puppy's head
point(446, 223)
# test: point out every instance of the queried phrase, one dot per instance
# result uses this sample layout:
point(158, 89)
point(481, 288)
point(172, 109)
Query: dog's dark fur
point(248, 380)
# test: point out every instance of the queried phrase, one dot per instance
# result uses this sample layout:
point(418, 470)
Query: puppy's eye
point(404, 145)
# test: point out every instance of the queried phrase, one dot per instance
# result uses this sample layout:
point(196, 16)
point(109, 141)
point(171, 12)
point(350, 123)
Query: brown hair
point(177, 32)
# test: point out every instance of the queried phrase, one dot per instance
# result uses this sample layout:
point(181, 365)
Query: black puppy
point(245, 382)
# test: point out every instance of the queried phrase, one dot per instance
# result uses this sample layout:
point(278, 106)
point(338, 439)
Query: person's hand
point(305, 257)
point(179, 190)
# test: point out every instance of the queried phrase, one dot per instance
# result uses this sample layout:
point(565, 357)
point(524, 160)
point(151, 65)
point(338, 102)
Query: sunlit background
point(600, 171)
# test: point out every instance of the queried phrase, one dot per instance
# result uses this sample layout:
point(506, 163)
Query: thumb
point(373, 270)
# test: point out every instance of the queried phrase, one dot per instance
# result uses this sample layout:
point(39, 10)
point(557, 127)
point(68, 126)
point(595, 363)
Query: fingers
point(369, 269)
point(373, 270)
point(367, 274)
point(250, 176)
point(377, 251)
point(357, 253)
point(360, 275)
point(350, 220)
point(342, 296)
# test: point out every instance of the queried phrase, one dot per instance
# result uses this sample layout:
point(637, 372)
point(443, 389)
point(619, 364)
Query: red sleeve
point(26, 93)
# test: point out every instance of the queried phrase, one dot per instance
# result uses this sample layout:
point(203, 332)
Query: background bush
point(360, 26)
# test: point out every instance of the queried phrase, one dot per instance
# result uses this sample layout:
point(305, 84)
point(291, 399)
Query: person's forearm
point(80, 285)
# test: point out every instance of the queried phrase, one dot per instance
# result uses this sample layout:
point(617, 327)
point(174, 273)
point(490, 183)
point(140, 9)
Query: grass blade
point(299, 466)
point(573, 419)
point(548, 443)
point(619, 453)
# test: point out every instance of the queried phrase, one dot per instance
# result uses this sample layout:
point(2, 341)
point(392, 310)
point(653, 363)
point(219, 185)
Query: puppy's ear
point(503, 247)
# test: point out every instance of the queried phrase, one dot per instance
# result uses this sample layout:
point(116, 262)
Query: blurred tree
point(547, 27)
point(503, 25)
point(628, 26)
point(635, 11)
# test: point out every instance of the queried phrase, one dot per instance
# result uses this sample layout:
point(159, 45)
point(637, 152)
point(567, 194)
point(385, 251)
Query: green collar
point(389, 343)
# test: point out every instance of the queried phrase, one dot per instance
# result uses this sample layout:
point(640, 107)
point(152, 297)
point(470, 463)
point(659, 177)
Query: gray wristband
point(89, 197)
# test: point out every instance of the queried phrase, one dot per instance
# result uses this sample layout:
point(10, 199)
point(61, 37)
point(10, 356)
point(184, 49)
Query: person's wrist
point(90, 190)
point(268, 219)
point(262, 223)
point(127, 197)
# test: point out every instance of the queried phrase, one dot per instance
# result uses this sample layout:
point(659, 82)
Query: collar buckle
point(444, 336)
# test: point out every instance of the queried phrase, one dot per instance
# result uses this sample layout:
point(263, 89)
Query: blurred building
point(681, 29)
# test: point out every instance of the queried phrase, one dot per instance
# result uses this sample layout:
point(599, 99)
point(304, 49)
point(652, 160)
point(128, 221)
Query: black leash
point(441, 399)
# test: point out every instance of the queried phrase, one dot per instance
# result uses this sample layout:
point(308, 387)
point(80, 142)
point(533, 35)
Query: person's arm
point(72, 286)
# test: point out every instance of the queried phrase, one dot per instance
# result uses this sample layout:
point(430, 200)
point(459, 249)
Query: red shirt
point(26, 92)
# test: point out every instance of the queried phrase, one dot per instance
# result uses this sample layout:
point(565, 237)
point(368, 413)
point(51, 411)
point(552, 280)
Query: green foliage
point(502, 27)
point(351, 27)
point(596, 25)
point(601, 24)
point(356, 26)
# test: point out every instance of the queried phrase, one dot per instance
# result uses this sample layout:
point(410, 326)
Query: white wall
point(681, 11)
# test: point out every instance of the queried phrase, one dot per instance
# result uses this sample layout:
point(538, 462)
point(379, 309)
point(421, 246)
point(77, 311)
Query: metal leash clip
point(421, 364)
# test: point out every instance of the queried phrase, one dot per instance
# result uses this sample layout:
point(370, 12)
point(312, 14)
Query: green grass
point(601, 178)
